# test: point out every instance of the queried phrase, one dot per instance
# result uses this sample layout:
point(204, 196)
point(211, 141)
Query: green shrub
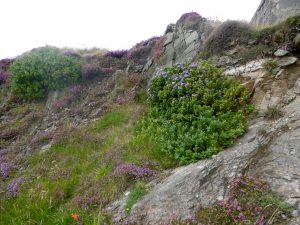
point(195, 112)
point(41, 70)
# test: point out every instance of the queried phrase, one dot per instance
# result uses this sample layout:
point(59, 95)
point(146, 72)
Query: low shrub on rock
point(195, 111)
point(41, 70)
point(229, 31)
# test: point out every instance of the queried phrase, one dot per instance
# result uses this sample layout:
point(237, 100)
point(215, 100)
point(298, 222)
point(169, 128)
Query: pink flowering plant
point(250, 201)
point(133, 171)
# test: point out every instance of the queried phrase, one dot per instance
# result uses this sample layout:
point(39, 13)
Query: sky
point(110, 24)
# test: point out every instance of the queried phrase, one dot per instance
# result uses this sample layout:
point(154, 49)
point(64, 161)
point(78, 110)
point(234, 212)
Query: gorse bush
point(195, 111)
point(41, 70)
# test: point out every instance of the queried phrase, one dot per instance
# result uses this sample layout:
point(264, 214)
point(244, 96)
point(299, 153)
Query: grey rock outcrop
point(286, 61)
point(281, 52)
point(183, 41)
point(273, 11)
point(270, 150)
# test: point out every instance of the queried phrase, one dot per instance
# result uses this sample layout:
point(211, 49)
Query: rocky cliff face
point(184, 38)
point(272, 11)
point(268, 150)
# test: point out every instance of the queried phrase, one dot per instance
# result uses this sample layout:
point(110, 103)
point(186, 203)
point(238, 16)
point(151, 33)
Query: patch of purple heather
point(5, 166)
point(14, 186)
point(189, 16)
point(41, 137)
point(4, 76)
point(117, 54)
point(90, 71)
point(5, 63)
point(158, 48)
point(62, 102)
point(133, 171)
point(75, 89)
point(88, 201)
point(5, 169)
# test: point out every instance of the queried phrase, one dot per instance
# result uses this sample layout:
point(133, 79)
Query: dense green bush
point(43, 69)
point(195, 111)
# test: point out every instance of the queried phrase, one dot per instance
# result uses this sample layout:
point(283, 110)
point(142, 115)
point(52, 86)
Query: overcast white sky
point(112, 24)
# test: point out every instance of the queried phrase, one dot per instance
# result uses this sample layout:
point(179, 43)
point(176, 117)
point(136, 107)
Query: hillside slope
point(82, 154)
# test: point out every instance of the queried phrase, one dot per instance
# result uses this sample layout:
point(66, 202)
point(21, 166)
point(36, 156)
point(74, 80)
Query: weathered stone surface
point(182, 45)
point(206, 181)
point(272, 11)
point(291, 94)
point(147, 65)
point(194, 36)
point(169, 38)
point(286, 61)
point(249, 67)
point(297, 41)
point(281, 52)
point(280, 165)
point(200, 183)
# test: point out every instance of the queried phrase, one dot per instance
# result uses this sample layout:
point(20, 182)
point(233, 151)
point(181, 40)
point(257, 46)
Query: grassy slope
point(74, 176)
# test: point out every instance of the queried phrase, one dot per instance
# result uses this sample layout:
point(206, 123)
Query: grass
point(269, 65)
point(75, 175)
point(135, 195)
point(250, 202)
point(273, 112)
point(256, 51)
point(115, 118)
point(241, 33)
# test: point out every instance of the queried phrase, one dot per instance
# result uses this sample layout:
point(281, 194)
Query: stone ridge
point(273, 11)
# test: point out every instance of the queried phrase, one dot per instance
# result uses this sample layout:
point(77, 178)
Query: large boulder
point(273, 11)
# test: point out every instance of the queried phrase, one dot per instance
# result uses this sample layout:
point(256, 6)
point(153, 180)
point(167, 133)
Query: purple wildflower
point(241, 217)
point(14, 186)
point(163, 74)
point(133, 171)
point(5, 166)
point(179, 65)
point(5, 169)
point(193, 65)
